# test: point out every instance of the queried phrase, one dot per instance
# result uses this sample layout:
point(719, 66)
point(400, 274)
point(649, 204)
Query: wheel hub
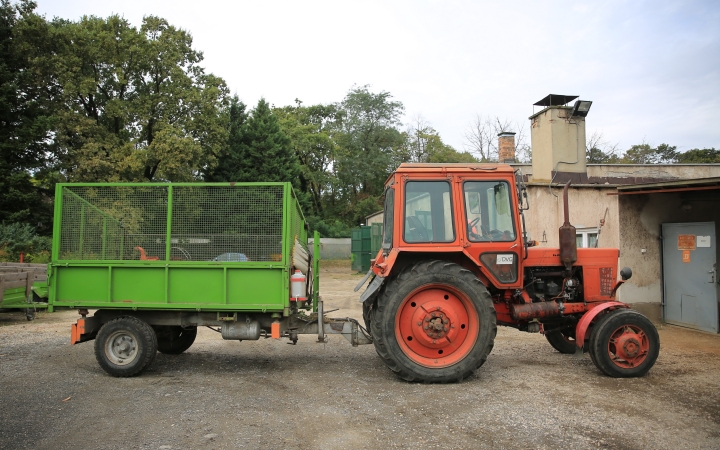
point(628, 345)
point(121, 348)
point(436, 327)
point(436, 324)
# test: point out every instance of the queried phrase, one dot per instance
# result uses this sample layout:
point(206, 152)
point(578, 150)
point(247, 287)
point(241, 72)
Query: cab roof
point(453, 167)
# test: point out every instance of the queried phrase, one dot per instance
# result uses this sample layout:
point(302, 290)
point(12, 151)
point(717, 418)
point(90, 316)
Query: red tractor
point(455, 262)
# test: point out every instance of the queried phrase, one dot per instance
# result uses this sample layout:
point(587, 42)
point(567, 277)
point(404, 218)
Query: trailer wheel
point(173, 340)
point(562, 341)
point(624, 344)
point(125, 346)
point(434, 322)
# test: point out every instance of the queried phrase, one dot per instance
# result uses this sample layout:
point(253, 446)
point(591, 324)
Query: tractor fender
point(587, 319)
point(372, 289)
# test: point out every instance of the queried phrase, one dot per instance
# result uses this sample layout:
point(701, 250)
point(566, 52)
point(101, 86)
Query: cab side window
point(428, 212)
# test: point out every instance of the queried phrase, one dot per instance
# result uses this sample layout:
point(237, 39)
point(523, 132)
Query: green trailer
point(23, 286)
point(155, 261)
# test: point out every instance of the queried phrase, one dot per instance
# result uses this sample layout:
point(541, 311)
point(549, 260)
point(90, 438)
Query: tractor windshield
point(488, 211)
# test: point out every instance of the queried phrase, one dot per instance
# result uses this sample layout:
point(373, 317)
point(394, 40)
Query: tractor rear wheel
point(624, 344)
point(434, 322)
point(562, 340)
point(173, 340)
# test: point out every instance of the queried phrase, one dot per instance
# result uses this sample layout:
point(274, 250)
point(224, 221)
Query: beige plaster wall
point(587, 207)
point(661, 171)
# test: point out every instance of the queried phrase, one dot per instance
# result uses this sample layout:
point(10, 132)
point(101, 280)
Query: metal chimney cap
point(506, 133)
point(556, 100)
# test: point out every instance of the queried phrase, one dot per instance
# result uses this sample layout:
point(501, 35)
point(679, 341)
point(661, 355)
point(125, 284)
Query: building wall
point(587, 204)
point(375, 218)
point(641, 217)
point(627, 173)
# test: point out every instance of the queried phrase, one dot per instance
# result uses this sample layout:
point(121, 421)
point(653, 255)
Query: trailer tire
point(562, 341)
point(173, 340)
point(125, 346)
point(452, 303)
point(624, 344)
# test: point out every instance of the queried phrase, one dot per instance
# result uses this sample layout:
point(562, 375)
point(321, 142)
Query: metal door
point(690, 275)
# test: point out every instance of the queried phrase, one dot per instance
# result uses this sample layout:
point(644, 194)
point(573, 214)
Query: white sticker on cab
point(504, 259)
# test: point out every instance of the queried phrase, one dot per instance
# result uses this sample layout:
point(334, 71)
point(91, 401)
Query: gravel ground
point(268, 394)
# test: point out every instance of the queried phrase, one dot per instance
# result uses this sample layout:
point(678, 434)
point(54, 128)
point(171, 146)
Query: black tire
point(173, 340)
point(638, 353)
point(562, 340)
point(125, 347)
point(454, 284)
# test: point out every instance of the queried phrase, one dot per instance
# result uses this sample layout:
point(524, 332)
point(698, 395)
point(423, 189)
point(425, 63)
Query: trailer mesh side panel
point(219, 223)
point(110, 222)
point(208, 223)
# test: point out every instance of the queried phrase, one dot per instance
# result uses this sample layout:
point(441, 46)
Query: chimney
point(557, 135)
point(506, 147)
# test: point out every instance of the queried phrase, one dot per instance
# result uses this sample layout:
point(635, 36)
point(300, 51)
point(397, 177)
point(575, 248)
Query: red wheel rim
point(628, 346)
point(436, 326)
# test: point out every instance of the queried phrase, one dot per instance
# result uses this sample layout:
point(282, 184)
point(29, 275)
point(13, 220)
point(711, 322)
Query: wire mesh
point(209, 223)
point(227, 223)
point(109, 222)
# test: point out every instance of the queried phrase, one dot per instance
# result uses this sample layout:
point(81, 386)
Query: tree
point(423, 144)
point(368, 143)
point(312, 131)
point(259, 151)
point(645, 154)
point(134, 104)
point(599, 151)
point(699, 156)
point(481, 138)
point(228, 159)
point(25, 115)
point(368, 140)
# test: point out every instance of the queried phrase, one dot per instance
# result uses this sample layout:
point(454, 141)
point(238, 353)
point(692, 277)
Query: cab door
point(490, 228)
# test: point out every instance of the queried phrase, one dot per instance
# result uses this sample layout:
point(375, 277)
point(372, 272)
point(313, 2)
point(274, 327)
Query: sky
point(651, 68)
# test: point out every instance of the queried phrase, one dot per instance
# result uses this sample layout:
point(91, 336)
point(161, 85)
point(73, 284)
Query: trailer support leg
point(321, 327)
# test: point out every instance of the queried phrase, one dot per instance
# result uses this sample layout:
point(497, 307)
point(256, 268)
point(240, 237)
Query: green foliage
point(329, 228)
point(133, 104)
point(368, 140)
point(258, 149)
point(312, 131)
point(645, 154)
point(699, 156)
point(25, 120)
point(596, 155)
point(16, 238)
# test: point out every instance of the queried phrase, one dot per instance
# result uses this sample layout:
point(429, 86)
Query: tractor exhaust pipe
point(568, 243)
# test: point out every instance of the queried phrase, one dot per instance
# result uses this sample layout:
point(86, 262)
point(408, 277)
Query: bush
point(16, 238)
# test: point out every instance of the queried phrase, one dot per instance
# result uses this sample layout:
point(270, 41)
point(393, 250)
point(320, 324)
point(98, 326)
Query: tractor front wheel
point(624, 344)
point(562, 340)
point(434, 322)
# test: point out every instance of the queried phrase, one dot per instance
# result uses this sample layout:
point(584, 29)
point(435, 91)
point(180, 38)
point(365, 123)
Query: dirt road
point(268, 394)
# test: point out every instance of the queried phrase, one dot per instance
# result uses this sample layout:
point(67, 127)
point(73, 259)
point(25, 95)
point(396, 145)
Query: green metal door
point(361, 248)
